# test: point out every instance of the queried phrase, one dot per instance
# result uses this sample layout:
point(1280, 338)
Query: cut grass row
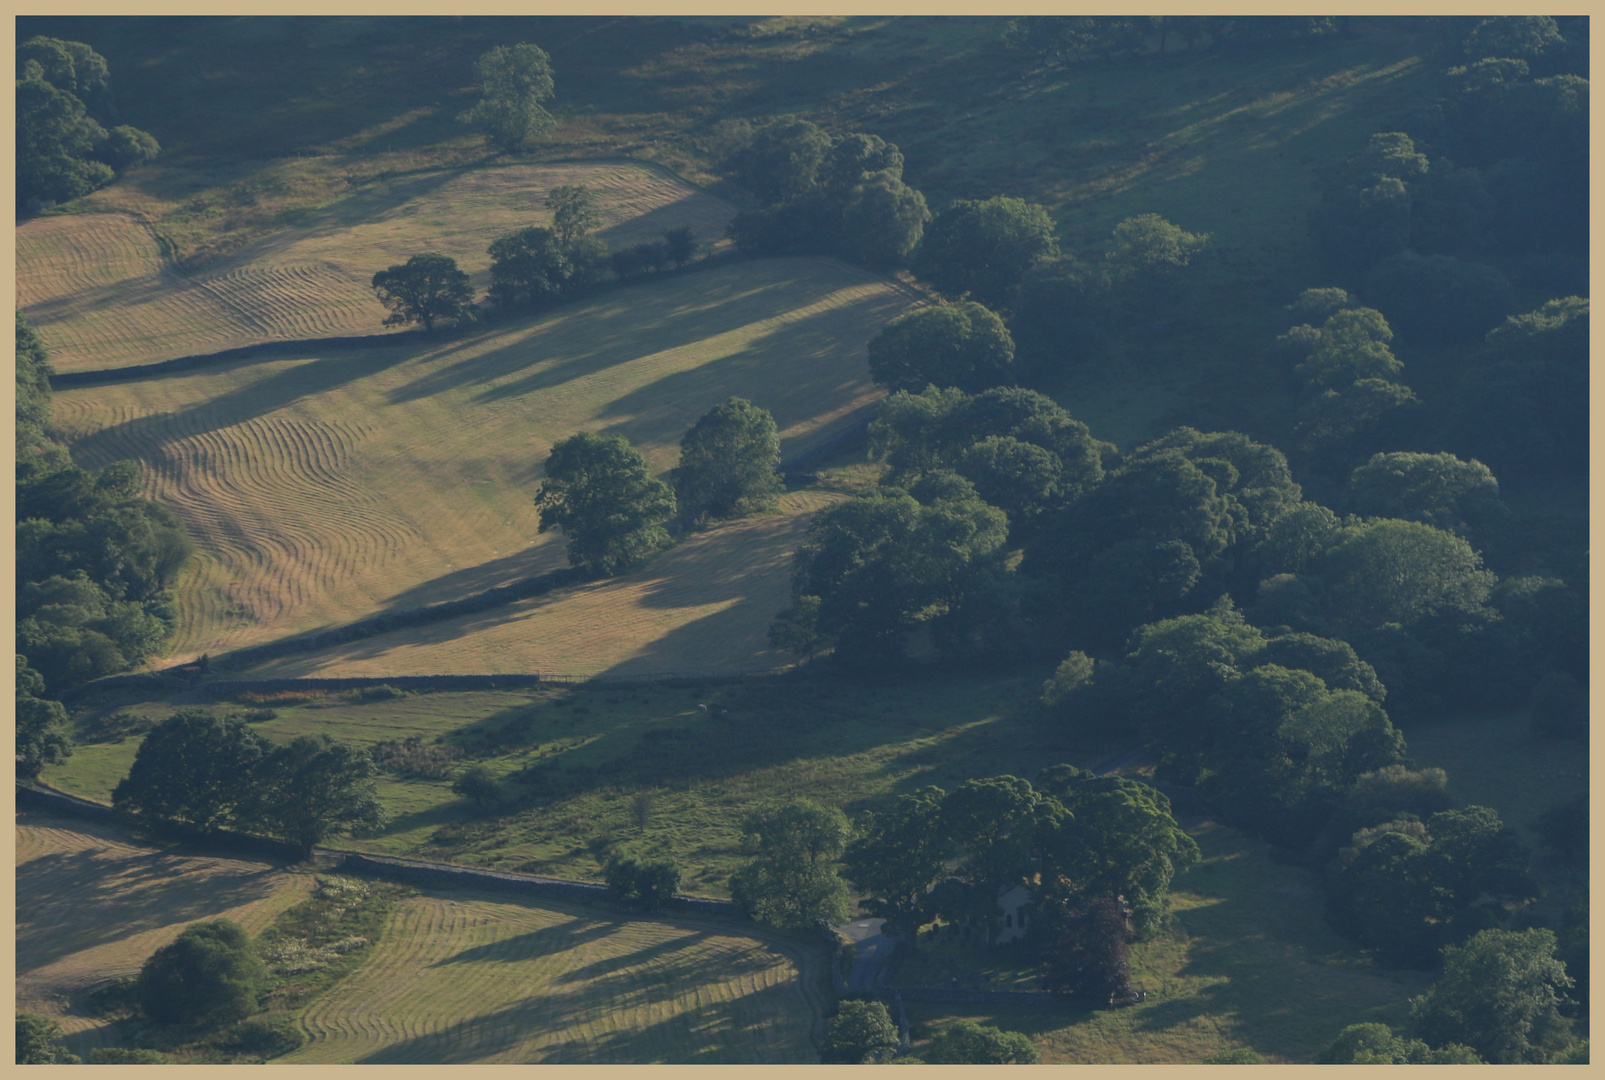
point(455, 977)
point(323, 489)
point(462, 977)
point(99, 290)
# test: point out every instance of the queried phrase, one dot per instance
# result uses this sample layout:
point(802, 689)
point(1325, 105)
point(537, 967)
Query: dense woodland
point(1264, 613)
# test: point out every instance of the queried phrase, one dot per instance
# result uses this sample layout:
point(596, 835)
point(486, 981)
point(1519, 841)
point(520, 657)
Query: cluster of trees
point(530, 268)
point(1498, 1001)
point(95, 561)
point(1097, 852)
point(1029, 311)
point(214, 772)
point(824, 195)
point(1497, 193)
point(64, 108)
point(601, 492)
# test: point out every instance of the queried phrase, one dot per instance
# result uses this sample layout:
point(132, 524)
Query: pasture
point(466, 977)
point(102, 293)
point(324, 488)
point(91, 906)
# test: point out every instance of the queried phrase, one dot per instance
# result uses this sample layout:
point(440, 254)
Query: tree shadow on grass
point(543, 942)
point(711, 1031)
point(69, 902)
point(624, 324)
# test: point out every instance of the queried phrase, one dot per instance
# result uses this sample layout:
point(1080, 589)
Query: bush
point(861, 1032)
point(479, 786)
point(209, 977)
point(639, 883)
point(266, 1038)
point(119, 1055)
point(969, 1043)
point(36, 1037)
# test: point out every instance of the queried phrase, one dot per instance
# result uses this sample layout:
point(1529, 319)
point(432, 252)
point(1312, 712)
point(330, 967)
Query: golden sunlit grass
point(466, 977)
point(102, 296)
point(91, 906)
point(325, 488)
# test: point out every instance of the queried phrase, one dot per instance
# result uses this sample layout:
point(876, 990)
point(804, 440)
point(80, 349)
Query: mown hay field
point(326, 488)
point(91, 906)
point(466, 977)
point(102, 295)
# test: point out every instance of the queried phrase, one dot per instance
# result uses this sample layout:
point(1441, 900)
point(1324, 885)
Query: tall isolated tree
point(514, 80)
point(728, 462)
point(601, 492)
point(425, 288)
point(792, 881)
point(574, 212)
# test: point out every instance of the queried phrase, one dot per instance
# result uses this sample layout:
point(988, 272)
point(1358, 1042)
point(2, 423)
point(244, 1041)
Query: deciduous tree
point(514, 81)
point(1499, 994)
point(728, 462)
point(792, 881)
point(963, 345)
point(210, 976)
point(600, 491)
point(425, 288)
point(194, 767)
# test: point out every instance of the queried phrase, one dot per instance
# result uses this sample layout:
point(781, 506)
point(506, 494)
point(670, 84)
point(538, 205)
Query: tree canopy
point(861, 1032)
point(963, 345)
point(514, 81)
point(965, 1042)
point(194, 767)
point(600, 491)
point(425, 288)
point(792, 881)
point(728, 462)
point(984, 247)
point(63, 100)
point(1499, 994)
point(312, 788)
point(209, 976)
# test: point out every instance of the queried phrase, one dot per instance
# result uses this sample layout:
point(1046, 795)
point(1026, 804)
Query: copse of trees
point(1070, 310)
point(215, 772)
point(514, 83)
point(1499, 994)
point(1405, 887)
point(601, 492)
point(823, 195)
point(936, 854)
point(63, 101)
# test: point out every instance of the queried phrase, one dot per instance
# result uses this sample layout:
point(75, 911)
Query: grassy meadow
point(91, 906)
point(325, 488)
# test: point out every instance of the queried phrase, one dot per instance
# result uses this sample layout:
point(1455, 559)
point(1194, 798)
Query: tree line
point(96, 561)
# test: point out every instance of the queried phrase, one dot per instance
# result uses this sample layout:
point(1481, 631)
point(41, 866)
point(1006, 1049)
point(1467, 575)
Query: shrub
point(209, 977)
point(266, 1038)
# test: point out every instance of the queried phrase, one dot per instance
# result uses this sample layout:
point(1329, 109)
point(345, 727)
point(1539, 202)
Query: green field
point(324, 488)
